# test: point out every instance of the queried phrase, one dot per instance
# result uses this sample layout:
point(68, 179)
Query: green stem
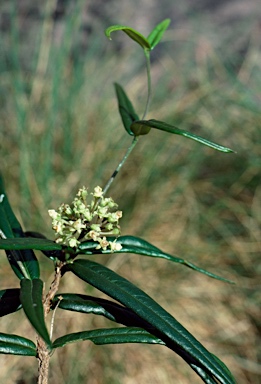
point(135, 140)
point(110, 181)
point(147, 55)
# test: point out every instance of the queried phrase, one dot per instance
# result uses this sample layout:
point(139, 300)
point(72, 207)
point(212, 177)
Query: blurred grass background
point(60, 129)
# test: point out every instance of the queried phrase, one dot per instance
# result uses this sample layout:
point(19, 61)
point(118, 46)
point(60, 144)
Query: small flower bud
point(96, 227)
point(73, 242)
point(115, 231)
point(109, 226)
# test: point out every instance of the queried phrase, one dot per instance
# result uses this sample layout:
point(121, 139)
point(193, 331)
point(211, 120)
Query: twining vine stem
point(147, 55)
point(110, 181)
point(135, 140)
point(43, 352)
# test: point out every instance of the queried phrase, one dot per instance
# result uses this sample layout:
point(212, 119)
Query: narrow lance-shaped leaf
point(31, 299)
point(24, 263)
point(20, 243)
point(10, 216)
point(156, 34)
point(109, 336)
point(132, 33)
point(140, 128)
point(9, 301)
point(136, 245)
point(127, 112)
point(97, 306)
point(16, 345)
point(53, 251)
point(132, 297)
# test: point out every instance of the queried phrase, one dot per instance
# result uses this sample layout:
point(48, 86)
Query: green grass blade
point(127, 112)
point(16, 345)
point(156, 34)
point(132, 297)
point(132, 33)
point(136, 245)
point(109, 336)
point(31, 298)
point(142, 125)
point(9, 301)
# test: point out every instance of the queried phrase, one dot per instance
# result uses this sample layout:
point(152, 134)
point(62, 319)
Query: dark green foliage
point(109, 336)
point(23, 262)
point(9, 301)
point(16, 345)
point(135, 245)
point(31, 299)
point(132, 297)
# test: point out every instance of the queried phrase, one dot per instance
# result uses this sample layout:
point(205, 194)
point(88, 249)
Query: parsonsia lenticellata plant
point(89, 225)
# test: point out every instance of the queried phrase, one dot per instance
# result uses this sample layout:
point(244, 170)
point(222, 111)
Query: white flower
point(78, 225)
point(87, 220)
point(93, 235)
point(103, 243)
point(97, 192)
point(115, 246)
point(53, 214)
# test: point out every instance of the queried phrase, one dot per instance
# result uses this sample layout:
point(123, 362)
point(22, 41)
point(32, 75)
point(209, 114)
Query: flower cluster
point(81, 221)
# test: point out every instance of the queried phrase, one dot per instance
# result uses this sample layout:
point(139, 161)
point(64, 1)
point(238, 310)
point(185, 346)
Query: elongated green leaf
point(109, 309)
point(140, 126)
point(156, 34)
point(19, 243)
point(48, 247)
point(31, 299)
point(132, 297)
point(9, 214)
point(127, 112)
point(132, 33)
point(110, 336)
point(24, 263)
point(9, 301)
point(16, 345)
point(136, 245)
point(84, 304)
point(5, 228)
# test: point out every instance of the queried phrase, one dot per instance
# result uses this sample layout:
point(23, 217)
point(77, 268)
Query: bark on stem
point(43, 353)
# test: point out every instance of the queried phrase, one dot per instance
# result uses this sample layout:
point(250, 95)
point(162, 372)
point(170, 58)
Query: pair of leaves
point(136, 127)
point(162, 324)
point(148, 43)
point(23, 262)
point(137, 330)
